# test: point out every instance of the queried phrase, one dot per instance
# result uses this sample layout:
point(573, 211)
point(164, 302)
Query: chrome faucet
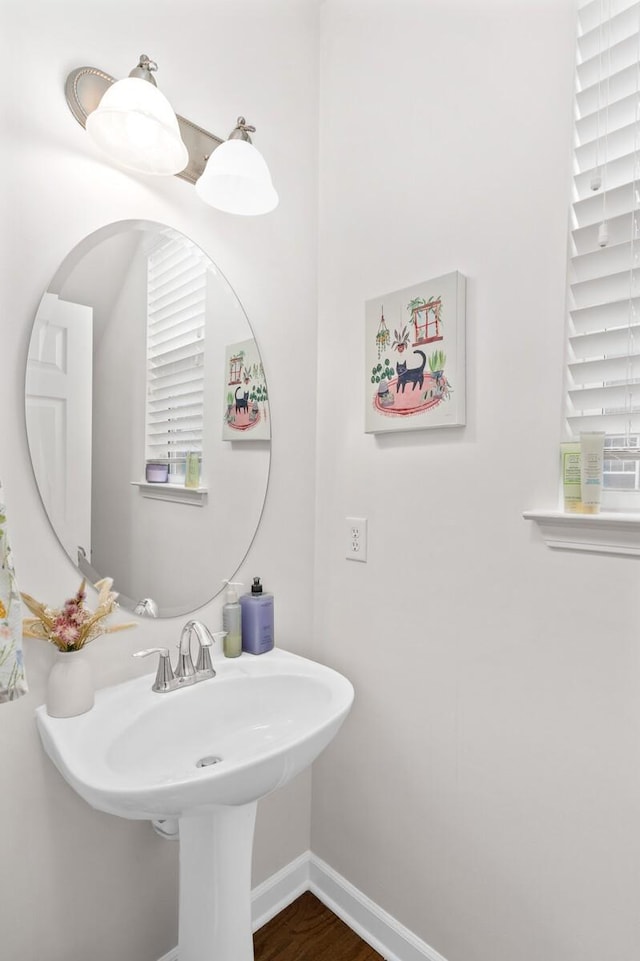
point(185, 672)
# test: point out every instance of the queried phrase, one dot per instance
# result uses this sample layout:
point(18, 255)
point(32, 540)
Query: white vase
point(70, 685)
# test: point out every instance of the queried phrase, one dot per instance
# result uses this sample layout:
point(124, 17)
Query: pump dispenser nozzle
point(232, 595)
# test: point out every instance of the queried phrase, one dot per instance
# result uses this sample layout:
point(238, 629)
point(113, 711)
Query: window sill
point(606, 533)
point(196, 496)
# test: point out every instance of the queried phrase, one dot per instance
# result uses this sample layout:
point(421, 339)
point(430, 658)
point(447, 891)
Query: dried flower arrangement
point(72, 626)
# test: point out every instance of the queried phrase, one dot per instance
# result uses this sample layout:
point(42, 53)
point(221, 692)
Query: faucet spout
point(202, 632)
point(184, 644)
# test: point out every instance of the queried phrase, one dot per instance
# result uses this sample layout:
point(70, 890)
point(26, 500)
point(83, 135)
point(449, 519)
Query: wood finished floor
point(307, 931)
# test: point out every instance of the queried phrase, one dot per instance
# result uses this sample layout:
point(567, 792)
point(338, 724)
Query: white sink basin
point(254, 726)
point(136, 753)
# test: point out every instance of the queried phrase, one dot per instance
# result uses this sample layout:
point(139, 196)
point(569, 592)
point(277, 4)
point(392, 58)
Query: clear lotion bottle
point(257, 620)
point(232, 621)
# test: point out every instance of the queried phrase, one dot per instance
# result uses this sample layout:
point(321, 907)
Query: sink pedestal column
point(215, 885)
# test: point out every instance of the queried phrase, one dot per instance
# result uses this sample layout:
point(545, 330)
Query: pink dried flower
point(73, 625)
point(68, 633)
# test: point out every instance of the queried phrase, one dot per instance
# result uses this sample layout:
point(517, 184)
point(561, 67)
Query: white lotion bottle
point(232, 620)
point(591, 469)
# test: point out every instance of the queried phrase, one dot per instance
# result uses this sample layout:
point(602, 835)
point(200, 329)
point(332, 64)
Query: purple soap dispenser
point(257, 619)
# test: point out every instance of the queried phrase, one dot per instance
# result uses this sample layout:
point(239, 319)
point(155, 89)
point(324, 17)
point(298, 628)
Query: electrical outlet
point(356, 538)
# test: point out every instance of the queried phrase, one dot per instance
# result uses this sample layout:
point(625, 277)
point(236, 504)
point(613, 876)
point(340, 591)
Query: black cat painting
point(242, 403)
point(410, 375)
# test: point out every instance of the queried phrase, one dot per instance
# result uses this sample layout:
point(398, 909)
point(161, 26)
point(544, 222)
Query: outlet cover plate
point(356, 538)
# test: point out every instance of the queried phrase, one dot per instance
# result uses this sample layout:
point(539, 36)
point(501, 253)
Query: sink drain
point(208, 761)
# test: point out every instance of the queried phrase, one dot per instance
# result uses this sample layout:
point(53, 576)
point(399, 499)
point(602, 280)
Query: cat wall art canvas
point(415, 356)
point(245, 414)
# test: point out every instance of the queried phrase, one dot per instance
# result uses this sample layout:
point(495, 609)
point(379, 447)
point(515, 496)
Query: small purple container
point(157, 473)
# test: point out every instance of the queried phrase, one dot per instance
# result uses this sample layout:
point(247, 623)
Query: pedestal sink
point(204, 755)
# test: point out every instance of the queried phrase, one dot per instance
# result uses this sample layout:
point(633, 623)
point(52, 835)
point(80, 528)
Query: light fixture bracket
point(242, 130)
point(84, 89)
point(145, 69)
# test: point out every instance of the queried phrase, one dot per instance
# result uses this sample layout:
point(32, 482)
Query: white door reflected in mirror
point(58, 413)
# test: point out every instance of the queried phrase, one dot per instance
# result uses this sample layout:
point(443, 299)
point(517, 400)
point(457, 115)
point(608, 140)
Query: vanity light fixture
point(136, 126)
point(236, 178)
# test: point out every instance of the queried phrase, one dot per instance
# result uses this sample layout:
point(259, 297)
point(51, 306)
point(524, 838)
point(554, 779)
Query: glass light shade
point(237, 180)
point(136, 126)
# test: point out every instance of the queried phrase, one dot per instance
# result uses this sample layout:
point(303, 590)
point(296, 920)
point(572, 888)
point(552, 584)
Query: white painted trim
point(374, 925)
point(196, 496)
point(310, 873)
point(280, 890)
point(605, 533)
point(170, 956)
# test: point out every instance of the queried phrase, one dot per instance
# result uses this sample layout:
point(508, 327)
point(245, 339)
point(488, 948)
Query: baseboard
point(377, 927)
point(170, 956)
point(277, 892)
point(374, 925)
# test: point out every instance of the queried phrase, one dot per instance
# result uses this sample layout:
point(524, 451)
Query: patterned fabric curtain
point(13, 683)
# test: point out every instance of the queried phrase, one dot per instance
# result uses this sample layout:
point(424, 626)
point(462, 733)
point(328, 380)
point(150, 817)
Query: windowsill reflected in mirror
point(177, 493)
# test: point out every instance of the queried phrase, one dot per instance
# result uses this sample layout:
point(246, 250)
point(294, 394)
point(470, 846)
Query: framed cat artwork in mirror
point(246, 402)
point(415, 357)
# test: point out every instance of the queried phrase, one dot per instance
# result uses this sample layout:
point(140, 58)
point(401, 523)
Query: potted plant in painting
point(253, 413)
point(381, 372)
point(401, 339)
point(385, 397)
point(229, 415)
point(381, 375)
point(261, 397)
point(437, 360)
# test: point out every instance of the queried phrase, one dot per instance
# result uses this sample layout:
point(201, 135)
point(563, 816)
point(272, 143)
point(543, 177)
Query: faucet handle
point(165, 678)
point(204, 667)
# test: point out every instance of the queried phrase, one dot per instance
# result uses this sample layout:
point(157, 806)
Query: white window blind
point(176, 301)
point(603, 369)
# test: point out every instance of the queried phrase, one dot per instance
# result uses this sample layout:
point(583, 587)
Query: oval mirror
point(148, 417)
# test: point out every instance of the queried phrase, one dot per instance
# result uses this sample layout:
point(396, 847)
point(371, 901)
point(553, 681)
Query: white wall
point(74, 883)
point(485, 790)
